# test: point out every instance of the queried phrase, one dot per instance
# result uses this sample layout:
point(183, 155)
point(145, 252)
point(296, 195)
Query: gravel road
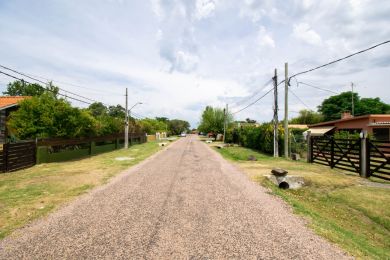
point(184, 202)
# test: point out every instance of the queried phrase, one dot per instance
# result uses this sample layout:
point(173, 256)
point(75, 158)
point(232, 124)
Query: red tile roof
point(6, 101)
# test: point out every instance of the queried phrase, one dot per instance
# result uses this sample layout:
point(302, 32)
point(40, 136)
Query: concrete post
point(309, 150)
point(363, 154)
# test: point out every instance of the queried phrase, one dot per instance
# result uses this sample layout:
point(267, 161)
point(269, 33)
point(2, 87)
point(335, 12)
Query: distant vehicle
point(183, 134)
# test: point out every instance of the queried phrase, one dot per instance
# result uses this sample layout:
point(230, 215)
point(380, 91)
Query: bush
point(259, 138)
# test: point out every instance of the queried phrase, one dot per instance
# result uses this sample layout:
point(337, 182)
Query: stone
point(252, 158)
point(279, 172)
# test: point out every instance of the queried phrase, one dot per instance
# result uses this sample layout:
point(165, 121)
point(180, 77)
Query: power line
point(40, 81)
point(46, 88)
point(251, 104)
point(338, 60)
point(306, 84)
point(292, 92)
point(249, 97)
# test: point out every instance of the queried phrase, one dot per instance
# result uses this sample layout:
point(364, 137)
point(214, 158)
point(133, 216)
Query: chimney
point(346, 114)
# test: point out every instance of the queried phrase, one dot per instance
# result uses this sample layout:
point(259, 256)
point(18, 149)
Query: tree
point(212, 120)
point(151, 126)
point(177, 126)
point(20, 88)
point(106, 125)
point(371, 106)
point(307, 117)
point(332, 107)
point(45, 116)
point(97, 109)
point(162, 119)
point(117, 111)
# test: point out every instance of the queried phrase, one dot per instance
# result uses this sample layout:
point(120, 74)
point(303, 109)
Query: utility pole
point(126, 123)
point(286, 109)
point(225, 113)
point(276, 120)
point(353, 105)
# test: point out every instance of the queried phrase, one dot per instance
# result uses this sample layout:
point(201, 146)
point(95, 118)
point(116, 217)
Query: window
point(381, 134)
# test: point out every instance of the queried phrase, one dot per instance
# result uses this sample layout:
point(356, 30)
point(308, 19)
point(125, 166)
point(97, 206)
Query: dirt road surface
point(185, 202)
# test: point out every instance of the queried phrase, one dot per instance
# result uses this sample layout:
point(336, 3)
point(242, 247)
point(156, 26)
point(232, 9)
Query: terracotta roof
point(8, 101)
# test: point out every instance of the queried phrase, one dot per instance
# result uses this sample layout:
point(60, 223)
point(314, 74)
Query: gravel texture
point(184, 202)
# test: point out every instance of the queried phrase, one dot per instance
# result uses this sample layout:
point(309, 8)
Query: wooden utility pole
point(126, 123)
point(276, 120)
point(286, 110)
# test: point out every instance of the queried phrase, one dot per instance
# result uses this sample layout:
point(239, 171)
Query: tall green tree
point(20, 88)
point(46, 116)
point(212, 120)
point(332, 107)
point(97, 109)
point(151, 126)
point(177, 126)
point(116, 111)
point(307, 117)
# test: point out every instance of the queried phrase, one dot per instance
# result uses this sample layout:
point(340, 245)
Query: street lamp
point(128, 114)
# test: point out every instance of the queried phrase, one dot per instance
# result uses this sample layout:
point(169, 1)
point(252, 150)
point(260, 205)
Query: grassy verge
point(28, 194)
point(339, 206)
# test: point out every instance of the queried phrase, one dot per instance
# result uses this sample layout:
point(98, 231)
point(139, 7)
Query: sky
point(178, 56)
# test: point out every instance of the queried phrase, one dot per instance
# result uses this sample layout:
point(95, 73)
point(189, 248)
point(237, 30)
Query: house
point(376, 125)
point(8, 104)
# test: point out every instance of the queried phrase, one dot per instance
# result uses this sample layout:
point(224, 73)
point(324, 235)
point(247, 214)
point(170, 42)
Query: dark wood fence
point(337, 153)
point(349, 154)
point(23, 154)
point(17, 156)
point(379, 159)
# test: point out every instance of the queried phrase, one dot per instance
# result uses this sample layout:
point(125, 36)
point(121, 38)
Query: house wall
point(360, 124)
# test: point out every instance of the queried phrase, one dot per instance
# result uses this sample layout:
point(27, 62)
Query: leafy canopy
point(20, 88)
point(45, 116)
point(332, 107)
point(177, 126)
point(212, 120)
point(307, 117)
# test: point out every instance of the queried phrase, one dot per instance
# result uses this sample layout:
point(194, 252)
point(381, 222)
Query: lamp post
point(128, 114)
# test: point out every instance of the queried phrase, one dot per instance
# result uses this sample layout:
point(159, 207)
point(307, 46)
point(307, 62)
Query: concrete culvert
point(284, 185)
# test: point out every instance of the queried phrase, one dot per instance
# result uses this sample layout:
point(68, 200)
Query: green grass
point(339, 205)
point(29, 194)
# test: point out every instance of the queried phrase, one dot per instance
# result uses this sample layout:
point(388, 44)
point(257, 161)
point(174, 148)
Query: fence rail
point(379, 159)
point(17, 156)
point(363, 156)
point(24, 154)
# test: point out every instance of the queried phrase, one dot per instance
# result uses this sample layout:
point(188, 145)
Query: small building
point(8, 104)
point(375, 125)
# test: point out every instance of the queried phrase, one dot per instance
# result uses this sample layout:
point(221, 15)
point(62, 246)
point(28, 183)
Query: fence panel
point(337, 153)
point(18, 156)
point(379, 159)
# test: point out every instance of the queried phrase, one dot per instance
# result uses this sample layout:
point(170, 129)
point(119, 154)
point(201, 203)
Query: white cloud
point(204, 8)
point(303, 32)
point(265, 39)
point(185, 62)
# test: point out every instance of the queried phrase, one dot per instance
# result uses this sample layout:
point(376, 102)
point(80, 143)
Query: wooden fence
point(17, 156)
point(363, 156)
point(378, 159)
point(24, 154)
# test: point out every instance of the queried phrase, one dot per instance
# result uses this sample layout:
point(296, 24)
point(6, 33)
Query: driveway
point(184, 202)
